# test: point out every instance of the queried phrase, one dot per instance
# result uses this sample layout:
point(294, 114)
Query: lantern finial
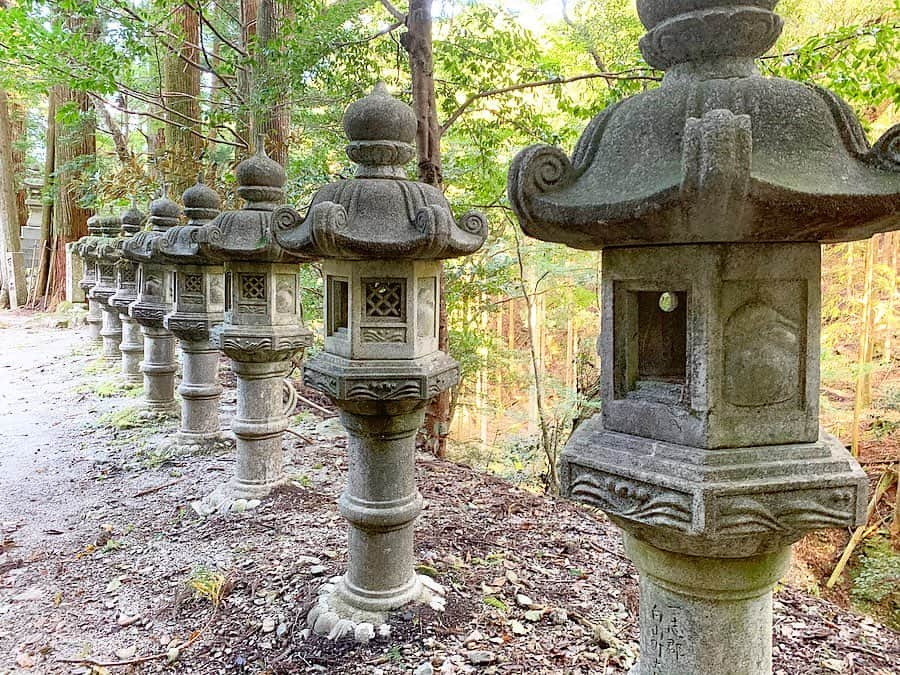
point(381, 130)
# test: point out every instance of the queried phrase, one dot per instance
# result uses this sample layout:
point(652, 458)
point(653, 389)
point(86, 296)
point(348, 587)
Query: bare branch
point(393, 11)
point(456, 114)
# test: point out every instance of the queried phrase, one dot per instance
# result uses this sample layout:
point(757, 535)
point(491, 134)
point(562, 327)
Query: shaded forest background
point(111, 100)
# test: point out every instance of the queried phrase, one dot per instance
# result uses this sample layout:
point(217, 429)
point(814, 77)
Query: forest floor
point(103, 560)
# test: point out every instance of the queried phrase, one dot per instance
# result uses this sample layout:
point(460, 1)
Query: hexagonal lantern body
point(710, 197)
point(262, 328)
point(381, 237)
point(132, 345)
point(107, 257)
point(155, 298)
point(199, 306)
point(393, 303)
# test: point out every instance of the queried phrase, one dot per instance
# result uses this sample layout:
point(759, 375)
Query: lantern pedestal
point(200, 391)
point(381, 503)
point(705, 615)
point(132, 349)
point(94, 319)
point(111, 333)
point(158, 368)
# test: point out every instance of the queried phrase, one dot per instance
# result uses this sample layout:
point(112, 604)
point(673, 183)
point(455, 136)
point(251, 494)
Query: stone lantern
point(199, 306)
point(710, 197)
point(155, 299)
point(381, 236)
point(107, 256)
point(86, 249)
point(262, 329)
point(132, 345)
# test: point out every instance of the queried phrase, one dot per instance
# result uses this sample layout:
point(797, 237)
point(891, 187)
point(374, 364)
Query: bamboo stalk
point(863, 380)
point(860, 532)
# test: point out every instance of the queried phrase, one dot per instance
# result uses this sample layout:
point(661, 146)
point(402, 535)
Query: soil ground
point(101, 553)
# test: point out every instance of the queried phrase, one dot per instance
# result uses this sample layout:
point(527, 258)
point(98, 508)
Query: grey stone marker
point(262, 329)
point(132, 345)
point(86, 248)
point(710, 197)
point(155, 299)
point(381, 236)
point(107, 256)
point(199, 306)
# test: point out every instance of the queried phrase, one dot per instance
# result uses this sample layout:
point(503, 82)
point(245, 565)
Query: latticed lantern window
point(193, 284)
point(385, 299)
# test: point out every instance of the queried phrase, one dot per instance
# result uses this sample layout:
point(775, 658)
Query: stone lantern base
point(703, 615)
point(132, 349)
point(111, 332)
point(159, 368)
point(94, 321)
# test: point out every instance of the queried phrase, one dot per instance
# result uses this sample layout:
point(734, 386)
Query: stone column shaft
point(94, 320)
point(705, 615)
point(159, 369)
point(258, 426)
point(381, 503)
point(111, 332)
point(132, 349)
point(200, 391)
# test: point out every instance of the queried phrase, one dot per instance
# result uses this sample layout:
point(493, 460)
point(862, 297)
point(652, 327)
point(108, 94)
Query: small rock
point(424, 669)
point(268, 625)
point(432, 585)
point(834, 665)
point(523, 600)
point(326, 589)
point(125, 620)
point(341, 628)
point(172, 654)
point(239, 505)
point(474, 636)
point(305, 633)
point(384, 630)
point(325, 623)
point(481, 658)
point(318, 570)
point(517, 628)
point(126, 652)
point(253, 503)
point(364, 632)
point(559, 616)
point(281, 630)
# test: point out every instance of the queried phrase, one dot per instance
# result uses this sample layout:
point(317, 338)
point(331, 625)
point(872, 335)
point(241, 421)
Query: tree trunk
point(13, 277)
point(273, 116)
point(893, 242)
point(45, 244)
point(249, 15)
point(181, 94)
point(75, 153)
point(418, 43)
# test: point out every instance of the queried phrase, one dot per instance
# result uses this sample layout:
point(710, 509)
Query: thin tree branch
point(393, 11)
point(456, 114)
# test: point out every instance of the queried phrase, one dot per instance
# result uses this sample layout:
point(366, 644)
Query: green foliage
point(876, 580)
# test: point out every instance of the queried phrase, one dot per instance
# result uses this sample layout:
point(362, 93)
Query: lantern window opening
point(228, 284)
point(338, 306)
point(656, 342)
point(385, 299)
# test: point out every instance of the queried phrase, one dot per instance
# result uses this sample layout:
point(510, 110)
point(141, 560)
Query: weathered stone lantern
point(381, 236)
point(263, 326)
point(86, 249)
point(199, 306)
point(710, 197)
point(107, 256)
point(155, 299)
point(132, 345)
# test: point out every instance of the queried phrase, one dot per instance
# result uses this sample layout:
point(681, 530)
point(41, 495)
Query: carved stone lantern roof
point(717, 154)
point(246, 234)
point(180, 246)
point(164, 215)
point(381, 213)
point(101, 229)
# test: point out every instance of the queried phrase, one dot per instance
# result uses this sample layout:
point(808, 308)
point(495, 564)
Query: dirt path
point(102, 558)
point(37, 419)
